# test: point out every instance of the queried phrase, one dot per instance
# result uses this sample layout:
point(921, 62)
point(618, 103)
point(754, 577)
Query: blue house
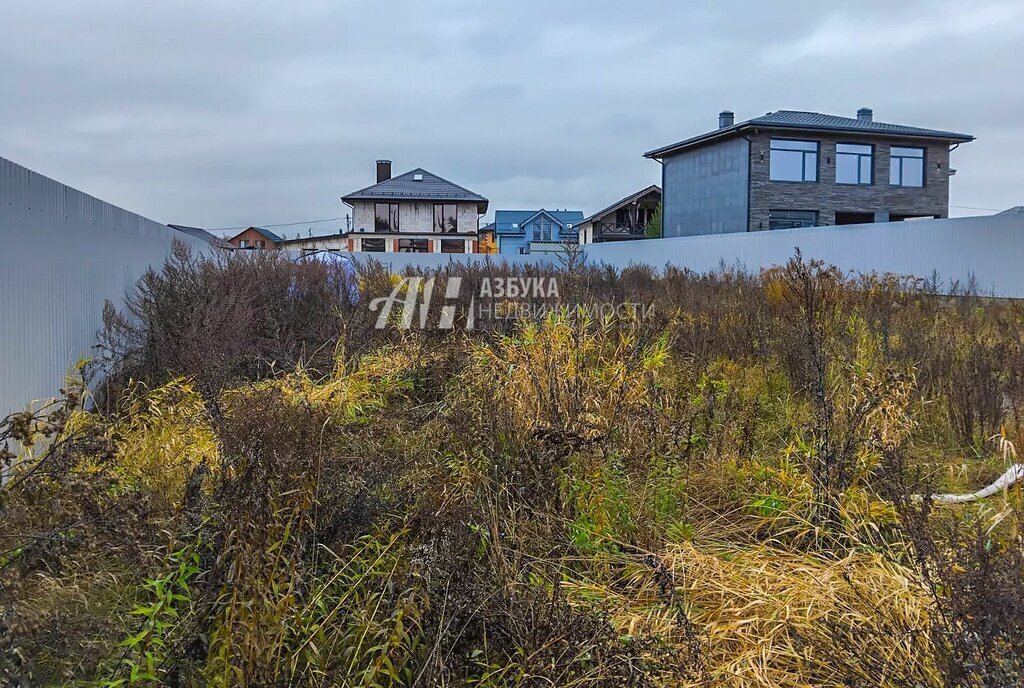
point(535, 231)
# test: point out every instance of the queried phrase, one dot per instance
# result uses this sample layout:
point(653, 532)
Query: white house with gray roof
point(792, 169)
point(415, 212)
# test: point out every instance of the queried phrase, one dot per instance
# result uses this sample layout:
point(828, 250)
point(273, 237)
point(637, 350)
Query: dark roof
point(621, 202)
point(1015, 210)
point(265, 232)
point(429, 187)
point(810, 121)
point(505, 219)
point(199, 233)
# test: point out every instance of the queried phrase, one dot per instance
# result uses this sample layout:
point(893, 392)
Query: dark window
point(260, 243)
point(853, 163)
point(413, 245)
point(453, 246)
point(845, 218)
point(542, 230)
point(793, 161)
point(385, 217)
point(446, 218)
point(906, 166)
point(791, 219)
point(373, 245)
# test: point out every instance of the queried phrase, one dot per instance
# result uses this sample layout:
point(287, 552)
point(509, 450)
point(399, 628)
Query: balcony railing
point(617, 231)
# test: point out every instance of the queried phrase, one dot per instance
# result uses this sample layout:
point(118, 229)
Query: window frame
point(893, 157)
point(442, 228)
point(413, 245)
point(451, 242)
point(383, 245)
point(870, 155)
point(803, 159)
point(815, 218)
point(393, 214)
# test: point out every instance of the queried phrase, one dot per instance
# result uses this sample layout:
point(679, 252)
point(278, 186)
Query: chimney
point(383, 170)
point(865, 115)
point(726, 119)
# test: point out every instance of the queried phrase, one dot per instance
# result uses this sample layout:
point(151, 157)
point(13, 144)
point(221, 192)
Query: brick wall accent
point(826, 197)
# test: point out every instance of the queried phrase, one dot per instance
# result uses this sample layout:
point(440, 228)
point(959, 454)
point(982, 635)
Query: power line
point(283, 224)
point(971, 207)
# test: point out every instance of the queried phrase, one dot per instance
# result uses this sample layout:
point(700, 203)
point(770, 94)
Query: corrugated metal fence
point(62, 253)
point(989, 250)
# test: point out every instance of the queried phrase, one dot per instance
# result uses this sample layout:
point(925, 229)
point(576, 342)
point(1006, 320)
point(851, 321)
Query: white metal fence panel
point(62, 253)
point(988, 249)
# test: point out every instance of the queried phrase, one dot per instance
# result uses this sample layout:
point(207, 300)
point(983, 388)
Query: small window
point(793, 161)
point(385, 217)
point(243, 243)
point(792, 219)
point(853, 163)
point(446, 218)
point(453, 246)
point(906, 166)
point(261, 244)
point(372, 245)
point(413, 246)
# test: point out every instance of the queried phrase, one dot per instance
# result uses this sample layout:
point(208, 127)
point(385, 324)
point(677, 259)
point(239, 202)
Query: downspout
point(749, 174)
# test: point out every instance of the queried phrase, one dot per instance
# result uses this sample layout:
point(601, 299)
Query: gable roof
point(504, 219)
point(622, 202)
point(270, 236)
point(407, 187)
point(810, 121)
point(199, 233)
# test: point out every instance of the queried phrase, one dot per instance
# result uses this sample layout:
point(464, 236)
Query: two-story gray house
point(803, 169)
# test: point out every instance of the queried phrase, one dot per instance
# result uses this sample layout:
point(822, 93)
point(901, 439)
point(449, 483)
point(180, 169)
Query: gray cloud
point(224, 113)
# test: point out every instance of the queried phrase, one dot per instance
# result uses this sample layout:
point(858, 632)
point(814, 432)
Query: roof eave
point(665, 151)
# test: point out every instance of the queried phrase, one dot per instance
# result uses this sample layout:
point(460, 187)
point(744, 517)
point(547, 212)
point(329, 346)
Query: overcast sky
point(220, 114)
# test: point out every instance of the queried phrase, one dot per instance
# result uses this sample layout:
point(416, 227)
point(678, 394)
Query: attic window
point(515, 225)
point(417, 177)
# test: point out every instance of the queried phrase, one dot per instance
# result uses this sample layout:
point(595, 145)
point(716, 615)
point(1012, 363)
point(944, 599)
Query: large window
point(372, 245)
point(385, 217)
point(793, 161)
point(446, 218)
point(413, 245)
point(542, 230)
point(791, 219)
point(453, 245)
point(853, 163)
point(906, 166)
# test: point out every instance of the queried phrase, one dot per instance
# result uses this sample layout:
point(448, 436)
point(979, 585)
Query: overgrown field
point(730, 486)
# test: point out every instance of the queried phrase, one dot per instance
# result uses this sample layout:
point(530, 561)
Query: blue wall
point(515, 229)
point(705, 190)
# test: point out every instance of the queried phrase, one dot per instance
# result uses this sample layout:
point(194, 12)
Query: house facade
point(415, 212)
point(535, 231)
point(255, 238)
point(624, 220)
point(802, 169)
